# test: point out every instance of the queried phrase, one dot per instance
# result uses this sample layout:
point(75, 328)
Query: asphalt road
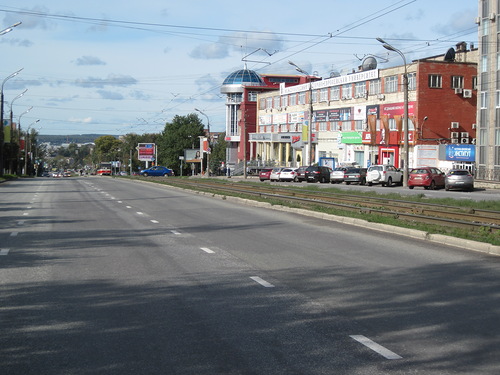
point(110, 276)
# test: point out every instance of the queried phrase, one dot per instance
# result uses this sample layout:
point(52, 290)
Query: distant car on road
point(157, 171)
point(315, 173)
point(384, 175)
point(355, 175)
point(459, 179)
point(428, 177)
point(265, 174)
point(288, 174)
point(275, 174)
point(301, 173)
point(338, 174)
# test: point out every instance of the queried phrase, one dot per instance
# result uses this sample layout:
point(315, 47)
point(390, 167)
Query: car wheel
point(369, 183)
point(389, 182)
point(145, 174)
point(165, 174)
point(433, 185)
point(447, 188)
point(295, 179)
point(362, 182)
point(348, 182)
point(411, 187)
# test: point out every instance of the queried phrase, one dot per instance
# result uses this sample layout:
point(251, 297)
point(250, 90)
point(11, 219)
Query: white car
point(275, 174)
point(289, 174)
point(385, 175)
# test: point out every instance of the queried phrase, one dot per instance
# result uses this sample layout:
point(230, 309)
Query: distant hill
point(73, 138)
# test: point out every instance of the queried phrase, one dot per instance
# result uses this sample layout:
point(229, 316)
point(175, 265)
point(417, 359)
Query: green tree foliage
point(181, 133)
point(107, 148)
point(218, 155)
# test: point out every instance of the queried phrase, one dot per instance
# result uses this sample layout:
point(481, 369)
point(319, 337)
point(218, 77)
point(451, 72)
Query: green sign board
point(352, 138)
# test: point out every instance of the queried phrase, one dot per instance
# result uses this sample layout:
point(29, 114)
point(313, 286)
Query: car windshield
point(459, 173)
point(377, 168)
point(419, 171)
point(353, 170)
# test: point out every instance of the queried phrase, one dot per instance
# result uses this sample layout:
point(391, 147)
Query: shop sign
point(461, 152)
point(352, 138)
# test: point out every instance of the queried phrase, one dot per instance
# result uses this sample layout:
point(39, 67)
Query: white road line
point(155, 221)
point(139, 213)
point(375, 347)
point(119, 201)
point(207, 250)
point(262, 282)
point(20, 222)
point(25, 214)
point(175, 232)
point(128, 206)
point(14, 234)
point(4, 251)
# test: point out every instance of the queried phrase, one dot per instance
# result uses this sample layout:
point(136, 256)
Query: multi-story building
point(488, 109)
point(241, 88)
point(358, 118)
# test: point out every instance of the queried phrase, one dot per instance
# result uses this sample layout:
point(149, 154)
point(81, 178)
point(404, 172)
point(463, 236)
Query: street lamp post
point(9, 29)
point(405, 120)
point(26, 146)
point(1, 118)
point(309, 134)
point(19, 165)
point(208, 140)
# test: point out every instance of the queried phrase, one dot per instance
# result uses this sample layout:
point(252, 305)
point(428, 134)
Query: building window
point(335, 126)
point(347, 91)
point(284, 101)
point(277, 101)
point(474, 81)
point(323, 126)
point(457, 82)
point(302, 97)
point(412, 81)
point(292, 99)
point(392, 124)
point(391, 84)
point(335, 93)
point(315, 96)
point(435, 81)
point(375, 87)
point(323, 95)
point(358, 125)
point(484, 100)
point(360, 89)
point(252, 96)
point(262, 103)
point(346, 126)
point(269, 102)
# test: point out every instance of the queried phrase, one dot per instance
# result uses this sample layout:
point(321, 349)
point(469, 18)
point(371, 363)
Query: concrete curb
point(412, 233)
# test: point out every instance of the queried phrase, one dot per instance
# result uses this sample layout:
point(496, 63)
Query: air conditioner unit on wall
point(467, 93)
point(454, 140)
point(464, 134)
point(464, 140)
point(458, 91)
point(381, 96)
point(473, 141)
point(474, 126)
point(455, 125)
point(492, 16)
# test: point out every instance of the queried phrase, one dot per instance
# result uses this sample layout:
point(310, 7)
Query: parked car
point(315, 173)
point(157, 170)
point(384, 175)
point(265, 174)
point(301, 173)
point(288, 174)
point(459, 179)
point(355, 175)
point(275, 174)
point(428, 177)
point(337, 175)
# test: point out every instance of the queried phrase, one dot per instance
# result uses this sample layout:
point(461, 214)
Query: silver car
point(459, 179)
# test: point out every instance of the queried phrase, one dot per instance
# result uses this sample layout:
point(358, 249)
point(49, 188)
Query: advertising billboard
point(461, 152)
point(146, 151)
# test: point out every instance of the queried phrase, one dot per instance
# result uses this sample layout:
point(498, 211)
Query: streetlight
point(405, 120)
point(9, 29)
point(1, 118)
point(19, 171)
point(208, 140)
point(309, 135)
point(26, 146)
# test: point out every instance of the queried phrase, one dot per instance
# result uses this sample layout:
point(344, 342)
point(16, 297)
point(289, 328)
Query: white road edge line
point(207, 250)
point(375, 347)
point(14, 234)
point(155, 221)
point(4, 251)
point(262, 282)
point(175, 232)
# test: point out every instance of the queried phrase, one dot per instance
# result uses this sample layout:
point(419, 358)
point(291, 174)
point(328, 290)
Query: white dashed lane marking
point(262, 282)
point(4, 251)
point(375, 347)
point(207, 250)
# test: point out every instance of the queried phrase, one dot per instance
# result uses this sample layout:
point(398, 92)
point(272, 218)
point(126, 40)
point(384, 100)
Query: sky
point(104, 67)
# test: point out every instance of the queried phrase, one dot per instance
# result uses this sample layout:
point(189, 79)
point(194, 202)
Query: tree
point(107, 148)
point(181, 133)
point(218, 155)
